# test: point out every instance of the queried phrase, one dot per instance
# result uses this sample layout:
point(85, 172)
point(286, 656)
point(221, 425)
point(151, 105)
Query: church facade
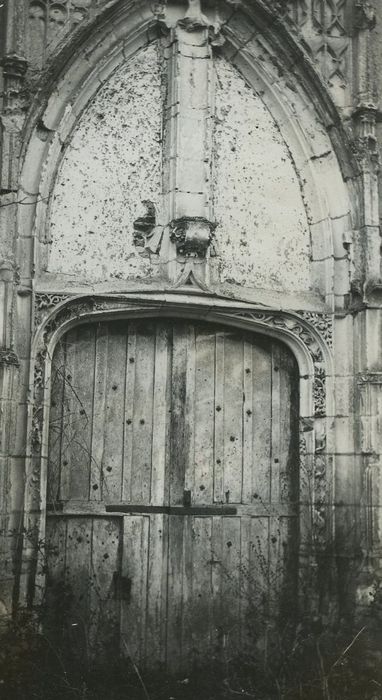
point(191, 294)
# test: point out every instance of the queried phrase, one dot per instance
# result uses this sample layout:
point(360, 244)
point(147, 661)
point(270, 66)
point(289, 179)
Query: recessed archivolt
point(120, 37)
point(308, 336)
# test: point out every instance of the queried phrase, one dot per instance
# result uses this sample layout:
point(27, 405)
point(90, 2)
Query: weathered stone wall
point(262, 238)
point(110, 166)
point(280, 226)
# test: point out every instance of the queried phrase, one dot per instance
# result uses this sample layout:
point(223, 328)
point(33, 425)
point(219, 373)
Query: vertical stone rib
point(188, 124)
point(188, 119)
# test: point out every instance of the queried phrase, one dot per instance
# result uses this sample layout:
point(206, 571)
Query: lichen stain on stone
point(263, 233)
point(111, 164)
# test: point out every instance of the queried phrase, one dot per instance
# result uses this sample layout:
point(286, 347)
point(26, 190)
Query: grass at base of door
point(314, 667)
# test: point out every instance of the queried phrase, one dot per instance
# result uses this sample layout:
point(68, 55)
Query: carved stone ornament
point(8, 357)
point(147, 234)
point(323, 323)
point(364, 16)
point(192, 235)
point(369, 378)
point(44, 301)
point(14, 66)
point(194, 18)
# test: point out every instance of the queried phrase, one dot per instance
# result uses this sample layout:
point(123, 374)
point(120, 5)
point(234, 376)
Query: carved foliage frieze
point(44, 302)
point(323, 323)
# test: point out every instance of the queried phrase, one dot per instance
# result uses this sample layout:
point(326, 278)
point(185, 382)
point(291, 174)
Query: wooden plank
point(68, 422)
point(172, 510)
point(258, 585)
point(219, 420)
point(289, 582)
point(156, 620)
point(201, 603)
point(55, 577)
point(77, 582)
point(129, 413)
point(187, 593)
point(262, 423)
point(134, 571)
point(217, 602)
point(143, 412)
point(233, 418)
point(160, 414)
point(56, 423)
point(248, 424)
point(190, 415)
point(175, 594)
point(231, 583)
point(113, 420)
point(80, 382)
point(178, 444)
point(103, 634)
point(86, 508)
point(246, 585)
point(289, 454)
point(276, 566)
point(276, 425)
point(97, 466)
point(204, 415)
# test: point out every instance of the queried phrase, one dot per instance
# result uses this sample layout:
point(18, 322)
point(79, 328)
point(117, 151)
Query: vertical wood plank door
point(172, 500)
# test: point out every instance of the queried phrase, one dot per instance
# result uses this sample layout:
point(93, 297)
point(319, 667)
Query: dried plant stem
point(136, 669)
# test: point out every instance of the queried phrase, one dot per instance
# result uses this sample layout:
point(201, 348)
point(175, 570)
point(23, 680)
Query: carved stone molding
point(43, 302)
point(369, 378)
point(323, 323)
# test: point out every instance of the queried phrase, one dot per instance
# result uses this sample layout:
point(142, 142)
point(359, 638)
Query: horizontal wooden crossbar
point(94, 508)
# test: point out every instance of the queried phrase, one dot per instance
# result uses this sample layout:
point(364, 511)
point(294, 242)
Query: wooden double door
point(172, 503)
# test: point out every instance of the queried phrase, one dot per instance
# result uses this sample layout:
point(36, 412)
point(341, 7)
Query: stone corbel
point(364, 16)
point(14, 70)
point(194, 18)
point(8, 357)
point(192, 236)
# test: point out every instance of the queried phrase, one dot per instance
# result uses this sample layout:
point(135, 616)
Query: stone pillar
point(188, 124)
point(13, 65)
point(367, 304)
point(8, 390)
point(364, 119)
